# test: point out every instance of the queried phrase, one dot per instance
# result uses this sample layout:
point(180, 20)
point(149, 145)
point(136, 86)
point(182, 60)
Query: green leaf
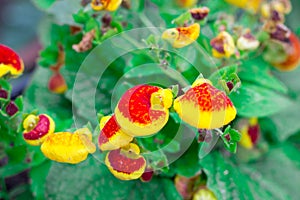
point(258, 72)
point(92, 179)
point(252, 100)
point(38, 175)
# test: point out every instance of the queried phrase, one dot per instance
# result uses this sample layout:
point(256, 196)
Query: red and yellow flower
point(186, 3)
point(204, 106)
point(223, 45)
point(250, 131)
point(182, 36)
point(69, 147)
point(126, 163)
point(37, 128)
point(10, 62)
point(109, 5)
point(111, 136)
point(57, 83)
point(143, 110)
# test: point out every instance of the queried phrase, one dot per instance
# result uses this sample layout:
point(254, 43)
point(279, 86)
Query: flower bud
point(250, 131)
point(199, 13)
point(11, 109)
point(57, 83)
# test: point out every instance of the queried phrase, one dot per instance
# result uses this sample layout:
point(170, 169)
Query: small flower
point(186, 3)
point(68, 147)
point(247, 42)
point(199, 13)
point(250, 5)
point(126, 163)
point(10, 62)
point(57, 83)
point(109, 5)
point(37, 128)
point(111, 136)
point(223, 45)
point(250, 131)
point(204, 106)
point(182, 36)
point(144, 110)
point(292, 49)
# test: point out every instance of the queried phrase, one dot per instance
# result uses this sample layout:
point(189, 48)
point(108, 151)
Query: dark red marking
point(40, 130)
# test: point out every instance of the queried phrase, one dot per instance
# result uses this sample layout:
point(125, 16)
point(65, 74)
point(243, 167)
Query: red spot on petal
point(110, 128)
point(40, 130)
point(208, 98)
point(135, 104)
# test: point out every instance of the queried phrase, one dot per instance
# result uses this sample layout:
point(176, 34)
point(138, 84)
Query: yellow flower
point(68, 147)
point(10, 62)
point(204, 106)
point(223, 45)
point(182, 36)
point(143, 110)
point(37, 128)
point(204, 193)
point(126, 163)
point(111, 136)
point(251, 5)
point(109, 5)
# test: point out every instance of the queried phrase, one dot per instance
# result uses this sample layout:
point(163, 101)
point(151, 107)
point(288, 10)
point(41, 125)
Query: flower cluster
point(144, 110)
point(62, 146)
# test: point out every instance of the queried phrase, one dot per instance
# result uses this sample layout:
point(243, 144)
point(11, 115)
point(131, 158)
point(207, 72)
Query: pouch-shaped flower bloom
point(111, 136)
point(37, 128)
point(109, 5)
point(250, 131)
point(126, 163)
point(57, 83)
point(250, 5)
point(204, 106)
point(223, 45)
point(182, 36)
point(143, 110)
point(68, 147)
point(292, 49)
point(247, 42)
point(10, 62)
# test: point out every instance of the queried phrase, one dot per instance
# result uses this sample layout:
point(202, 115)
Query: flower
point(182, 36)
point(37, 128)
point(250, 131)
point(199, 13)
point(250, 5)
point(57, 83)
point(204, 106)
point(109, 5)
point(223, 45)
point(69, 147)
point(292, 50)
point(126, 163)
point(143, 110)
point(111, 136)
point(186, 3)
point(204, 193)
point(247, 42)
point(10, 62)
